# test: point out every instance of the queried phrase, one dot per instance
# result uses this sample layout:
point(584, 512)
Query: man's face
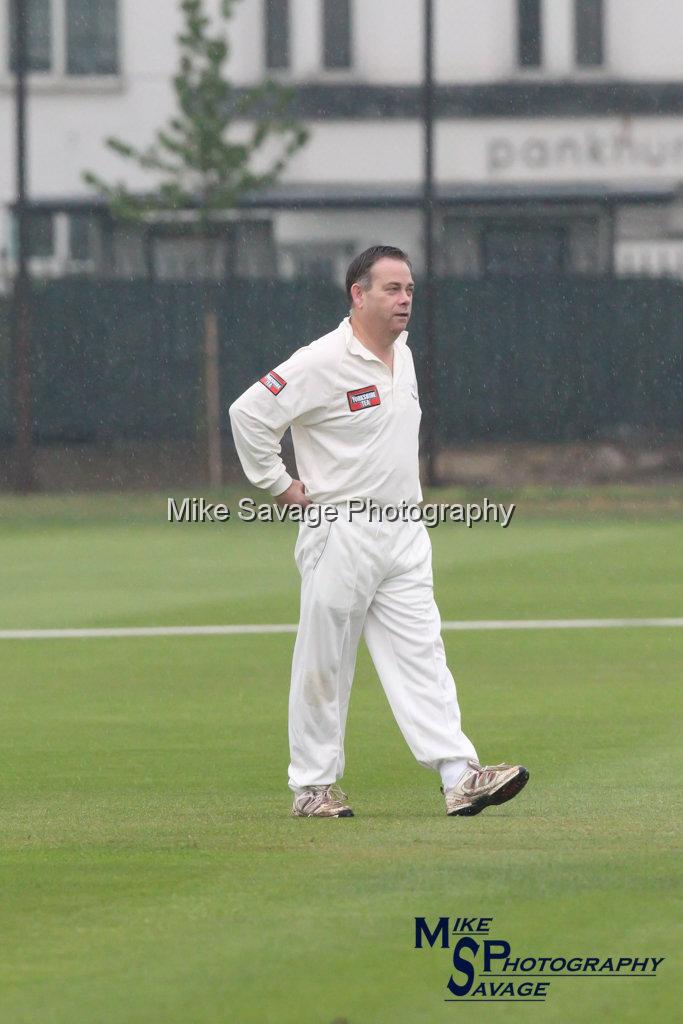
point(388, 302)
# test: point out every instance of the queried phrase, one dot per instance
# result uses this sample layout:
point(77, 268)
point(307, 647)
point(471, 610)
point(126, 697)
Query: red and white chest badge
point(274, 382)
point(363, 398)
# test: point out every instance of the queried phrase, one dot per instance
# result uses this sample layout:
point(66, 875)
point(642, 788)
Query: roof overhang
point(339, 196)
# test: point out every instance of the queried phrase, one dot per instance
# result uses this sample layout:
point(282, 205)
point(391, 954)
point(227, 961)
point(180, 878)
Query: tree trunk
point(212, 399)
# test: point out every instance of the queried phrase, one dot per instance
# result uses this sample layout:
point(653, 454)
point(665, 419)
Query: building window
point(277, 33)
point(337, 33)
point(187, 256)
point(40, 234)
point(529, 51)
point(88, 37)
point(38, 35)
point(518, 250)
point(253, 249)
point(320, 261)
point(241, 249)
point(82, 227)
point(91, 37)
point(588, 33)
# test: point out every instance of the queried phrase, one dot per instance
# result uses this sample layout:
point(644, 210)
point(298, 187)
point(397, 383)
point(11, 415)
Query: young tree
point(203, 160)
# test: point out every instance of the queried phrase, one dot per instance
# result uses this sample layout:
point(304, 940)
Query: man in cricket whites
point(352, 403)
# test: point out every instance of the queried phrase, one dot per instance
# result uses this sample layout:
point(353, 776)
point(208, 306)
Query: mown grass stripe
point(289, 627)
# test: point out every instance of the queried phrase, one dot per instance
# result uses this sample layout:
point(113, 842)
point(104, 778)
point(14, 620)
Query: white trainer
point(483, 785)
point(321, 802)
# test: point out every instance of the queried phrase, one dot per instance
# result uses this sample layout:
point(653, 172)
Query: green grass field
point(151, 872)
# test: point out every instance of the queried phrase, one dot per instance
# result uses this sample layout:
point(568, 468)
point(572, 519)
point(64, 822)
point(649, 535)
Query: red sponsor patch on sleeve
point(274, 382)
point(363, 398)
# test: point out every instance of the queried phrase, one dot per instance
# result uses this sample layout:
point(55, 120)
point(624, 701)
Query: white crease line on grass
point(238, 630)
point(562, 624)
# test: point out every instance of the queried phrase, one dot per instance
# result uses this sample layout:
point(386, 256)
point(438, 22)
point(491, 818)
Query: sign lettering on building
point(563, 149)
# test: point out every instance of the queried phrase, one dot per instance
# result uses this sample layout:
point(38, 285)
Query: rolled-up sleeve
point(262, 414)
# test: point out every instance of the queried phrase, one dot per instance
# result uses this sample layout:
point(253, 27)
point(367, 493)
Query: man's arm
point(261, 415)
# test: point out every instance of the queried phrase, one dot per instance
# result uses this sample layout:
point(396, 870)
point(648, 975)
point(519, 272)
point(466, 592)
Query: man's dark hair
point(360, 266)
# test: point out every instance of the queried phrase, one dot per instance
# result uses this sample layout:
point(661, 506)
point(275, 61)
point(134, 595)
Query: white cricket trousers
point(374, 578)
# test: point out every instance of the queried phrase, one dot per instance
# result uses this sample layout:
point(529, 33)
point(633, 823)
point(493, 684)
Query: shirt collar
point(355, 346)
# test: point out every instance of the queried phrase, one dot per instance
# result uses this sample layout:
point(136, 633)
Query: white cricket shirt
point(354, 423)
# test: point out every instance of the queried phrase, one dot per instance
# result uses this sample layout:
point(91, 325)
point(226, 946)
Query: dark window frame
point(43, 65)
point(337, 31)
point(41, 234)
point(78, 52)
point(102, 48)
point(81, 228)
point(589, 33)
point(277, 31)
point(529, 33)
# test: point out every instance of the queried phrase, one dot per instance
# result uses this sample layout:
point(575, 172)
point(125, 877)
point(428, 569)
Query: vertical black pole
point(24, 479)
point(428, 241)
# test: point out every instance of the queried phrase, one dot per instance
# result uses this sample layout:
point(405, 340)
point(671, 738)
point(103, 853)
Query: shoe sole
point(348, 813)
point(506, 792)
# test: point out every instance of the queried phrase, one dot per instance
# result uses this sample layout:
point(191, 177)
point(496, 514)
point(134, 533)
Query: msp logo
point(487, 970)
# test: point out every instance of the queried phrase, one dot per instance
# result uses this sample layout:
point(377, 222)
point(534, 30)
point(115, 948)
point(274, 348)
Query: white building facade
point(558, 134)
